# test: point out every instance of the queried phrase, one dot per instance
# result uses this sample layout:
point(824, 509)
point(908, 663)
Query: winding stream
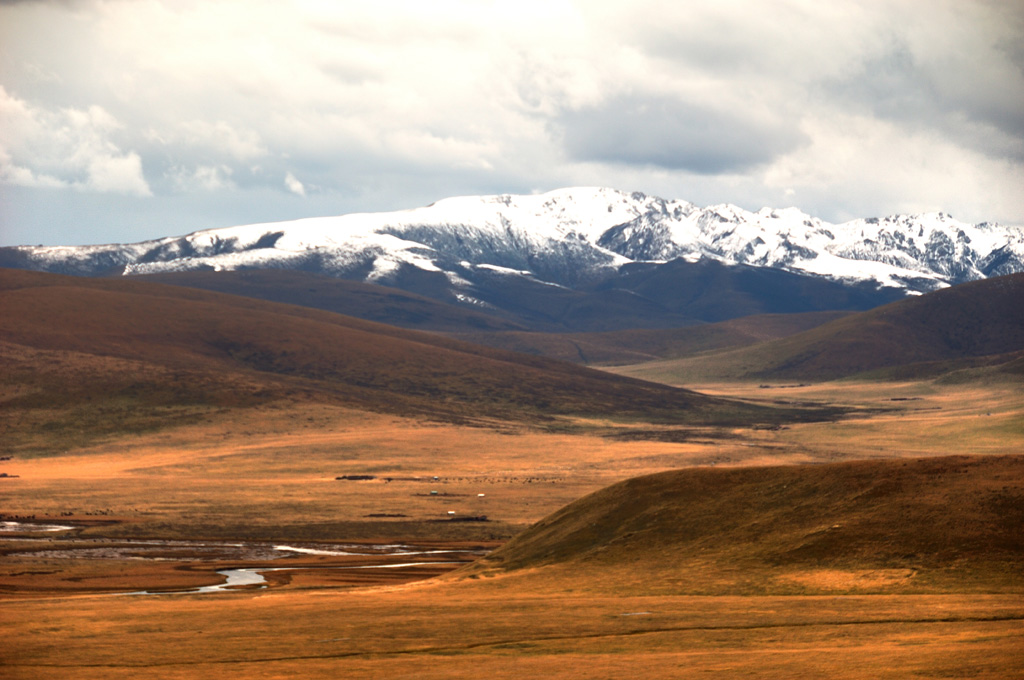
point(27, 527)
point(374, 555)
point(253, 576)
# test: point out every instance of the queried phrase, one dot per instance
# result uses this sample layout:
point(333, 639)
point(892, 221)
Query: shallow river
point(365, 555)
point(25, 527)
point(253, 576)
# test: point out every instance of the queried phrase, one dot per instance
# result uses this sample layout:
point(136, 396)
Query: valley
point(419, 506)
point(511, 340)
point(262, 480)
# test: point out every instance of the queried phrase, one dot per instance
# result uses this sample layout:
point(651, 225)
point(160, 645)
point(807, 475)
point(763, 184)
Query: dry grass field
point(777, 530)
point(268, 475)
point(269, 472)
point(463, 630)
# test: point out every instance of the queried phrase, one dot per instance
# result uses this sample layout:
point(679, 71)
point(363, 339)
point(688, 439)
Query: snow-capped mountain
point(569, 237)
point(916, 252)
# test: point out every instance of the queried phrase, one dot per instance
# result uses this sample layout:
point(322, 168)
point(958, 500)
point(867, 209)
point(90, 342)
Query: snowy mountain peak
point(568, 237)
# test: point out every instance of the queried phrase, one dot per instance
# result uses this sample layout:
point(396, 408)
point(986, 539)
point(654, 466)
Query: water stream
point(253, 576)
point(28, 527)
point(197, 552)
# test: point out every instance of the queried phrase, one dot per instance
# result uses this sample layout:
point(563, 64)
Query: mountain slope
point(673, 295)
point(641, 345)
point(366, 301)
point(712, 291)
point(975, 323)
point(908, 523)
point(112, 348)
point(571, 238)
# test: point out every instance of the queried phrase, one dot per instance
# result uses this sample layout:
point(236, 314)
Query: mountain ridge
point(572, 238)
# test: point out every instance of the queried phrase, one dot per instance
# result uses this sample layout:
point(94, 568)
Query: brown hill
point(525, 332)
point(640, 295)
point(911, 523)
point(640, 345)
point(392, 306)
point(970, 326)
point(111, 349)
point(502, 302)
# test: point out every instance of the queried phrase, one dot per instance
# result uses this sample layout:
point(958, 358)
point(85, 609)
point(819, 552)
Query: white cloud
point(294, 185)
point(116, 174)
point(202, 178)
point(217, 138)
point(70, 147)
point(11, 173)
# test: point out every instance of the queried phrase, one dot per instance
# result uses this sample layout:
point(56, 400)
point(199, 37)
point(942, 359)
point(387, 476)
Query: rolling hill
point(668, 296)
point(104, 354)
point(858, 525)
point(640, 345)
point(368, 301)
point(525, 331)
point(977, 325)
point(425, 300)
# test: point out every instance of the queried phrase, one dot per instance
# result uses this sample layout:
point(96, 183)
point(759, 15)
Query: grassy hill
point(532, 329)
point(639, 345)
point(847, 526)
point(101, 355)
point(976, 326)
point(640, 296)
point(367, 301)
point(513, 303)
point(510, 303)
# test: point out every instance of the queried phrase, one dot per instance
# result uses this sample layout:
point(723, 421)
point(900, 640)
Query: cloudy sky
point(122, 120)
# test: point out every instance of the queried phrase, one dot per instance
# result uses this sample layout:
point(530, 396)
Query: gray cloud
point(899, 86)
point(677, 135)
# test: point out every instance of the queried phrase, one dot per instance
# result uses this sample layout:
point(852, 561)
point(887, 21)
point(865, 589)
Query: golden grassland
point(919, 525)
point(900, 419)
point(456, 630)
point(269, 474)
point(268, 471)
